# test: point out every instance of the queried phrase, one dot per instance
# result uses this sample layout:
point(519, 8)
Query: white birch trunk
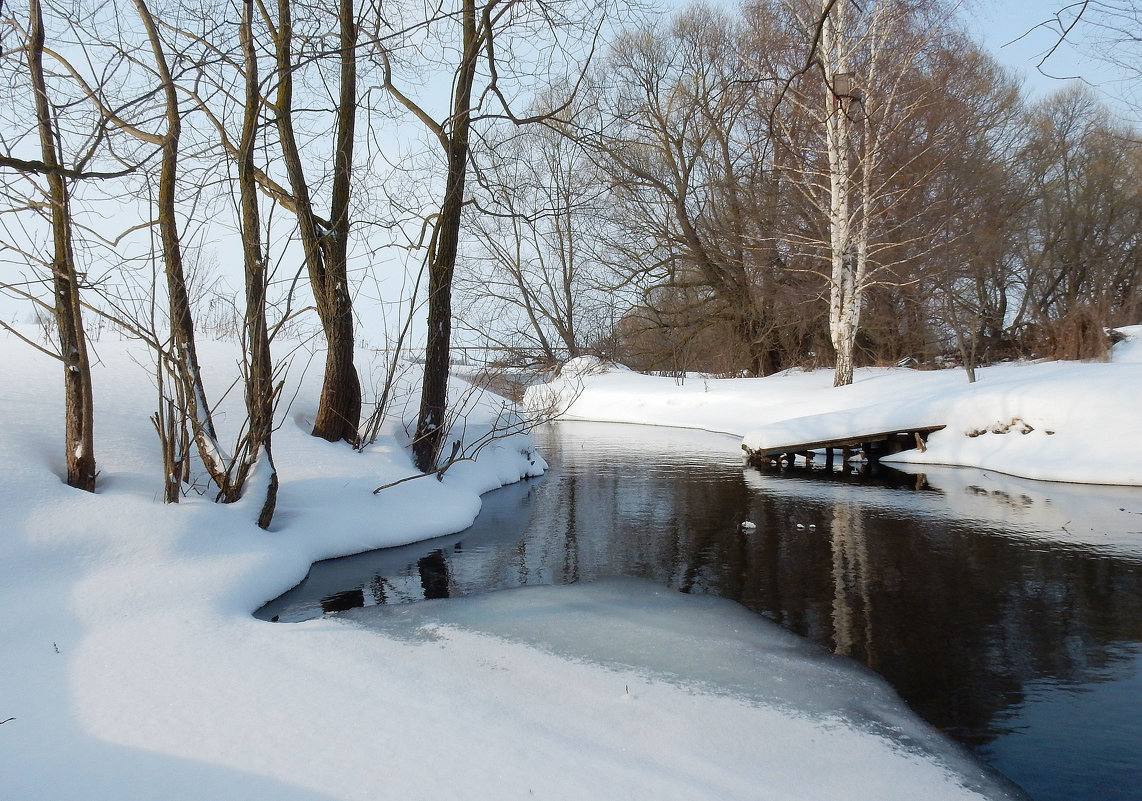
point(844, 289)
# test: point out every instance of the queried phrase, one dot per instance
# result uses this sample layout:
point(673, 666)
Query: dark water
point(1007, 613)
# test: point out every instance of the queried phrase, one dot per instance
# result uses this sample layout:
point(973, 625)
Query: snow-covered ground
point(131, 668)
point(1058, 421)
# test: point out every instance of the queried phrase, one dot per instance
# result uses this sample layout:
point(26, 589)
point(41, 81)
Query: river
point(1007, 613)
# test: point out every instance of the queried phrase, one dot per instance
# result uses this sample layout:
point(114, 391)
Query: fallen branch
point(439, 472)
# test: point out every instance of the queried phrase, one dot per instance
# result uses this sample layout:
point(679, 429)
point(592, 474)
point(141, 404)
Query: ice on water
point(703, 644)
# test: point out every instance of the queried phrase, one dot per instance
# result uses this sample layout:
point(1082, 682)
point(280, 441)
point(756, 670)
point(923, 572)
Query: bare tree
point(259, 365)
point(475, 33)
point(979, 190)
point(126, 118)
point(325, 241)
point(183, 397)
point(184, 352)
point(866, 86)
point(1108, 31)
point(690, 163)
point(79, 447)
point(1080, 249)
point(848, 238)
point(455, 140)
point(535, 268)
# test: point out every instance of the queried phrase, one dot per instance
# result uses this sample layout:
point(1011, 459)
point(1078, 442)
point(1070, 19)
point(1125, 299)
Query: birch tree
point(848, 232)
point(868, 57)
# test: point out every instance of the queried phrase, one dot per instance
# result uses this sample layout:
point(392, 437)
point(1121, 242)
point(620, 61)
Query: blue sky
point(1013, 31)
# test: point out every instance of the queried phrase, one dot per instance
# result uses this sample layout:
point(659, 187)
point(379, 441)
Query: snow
point(1058, 421)
point(619, 658)
point(132, 668)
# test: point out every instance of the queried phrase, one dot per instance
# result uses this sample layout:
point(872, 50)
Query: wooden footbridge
point(780, 443)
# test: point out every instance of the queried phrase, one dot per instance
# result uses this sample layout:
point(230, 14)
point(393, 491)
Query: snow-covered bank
point(131, 667)
point(1059, 421)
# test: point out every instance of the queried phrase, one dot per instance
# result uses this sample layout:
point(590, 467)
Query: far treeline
point(767, 192)
point(787, 183)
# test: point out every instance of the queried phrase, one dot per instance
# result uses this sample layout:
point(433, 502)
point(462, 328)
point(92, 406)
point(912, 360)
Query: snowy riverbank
point(1058, 421)
point(132, 669)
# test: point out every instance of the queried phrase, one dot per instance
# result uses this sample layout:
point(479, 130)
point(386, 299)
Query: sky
point(1021, 32)
point(1018, 32)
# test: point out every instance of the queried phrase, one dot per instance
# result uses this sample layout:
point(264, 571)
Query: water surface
point(1007, 613)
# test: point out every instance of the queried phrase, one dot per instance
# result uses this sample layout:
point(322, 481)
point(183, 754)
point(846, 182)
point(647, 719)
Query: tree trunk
point(844, 316)
point(259, 366)
point(431, 425)
point(325, 245)
point(844, 291)
point(78, 406)
point(185, 351)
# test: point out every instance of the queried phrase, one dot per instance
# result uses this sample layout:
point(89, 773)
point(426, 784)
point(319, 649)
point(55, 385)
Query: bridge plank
point(771, 451)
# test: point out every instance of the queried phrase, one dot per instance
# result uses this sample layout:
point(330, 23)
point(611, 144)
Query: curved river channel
point(1006, 612)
